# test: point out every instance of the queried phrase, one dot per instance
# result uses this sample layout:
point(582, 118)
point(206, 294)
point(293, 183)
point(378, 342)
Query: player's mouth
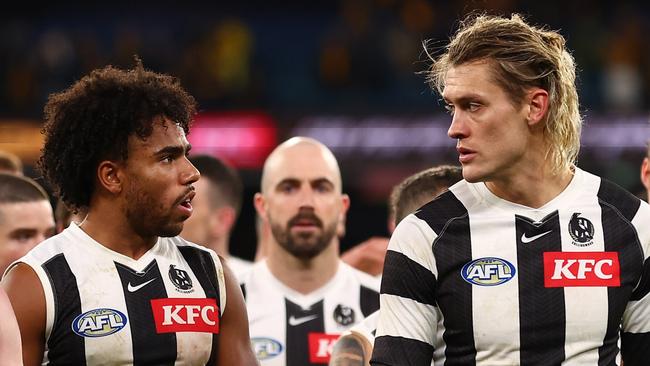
point(305, 222)
point(465, 155)
point(185, 204)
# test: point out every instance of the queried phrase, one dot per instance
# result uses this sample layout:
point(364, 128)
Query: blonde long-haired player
point(529, 259)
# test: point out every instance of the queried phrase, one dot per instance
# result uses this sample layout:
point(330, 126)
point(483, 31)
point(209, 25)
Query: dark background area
point(346, 72)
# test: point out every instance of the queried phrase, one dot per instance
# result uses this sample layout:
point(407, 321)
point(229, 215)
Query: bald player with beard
point(302, 296)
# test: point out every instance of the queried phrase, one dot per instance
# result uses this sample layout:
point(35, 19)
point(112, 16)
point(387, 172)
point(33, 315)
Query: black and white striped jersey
point(104, 308)
point(288, 328)
point(471, 279)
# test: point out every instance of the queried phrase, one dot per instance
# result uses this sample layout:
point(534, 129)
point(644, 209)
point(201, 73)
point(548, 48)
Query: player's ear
point(109, 176)
point(537, 105)
point(346, 202)
point(260, 205)
point(222, 220)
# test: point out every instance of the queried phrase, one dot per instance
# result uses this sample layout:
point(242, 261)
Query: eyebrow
point(465, 98)
point(296, 181)
point(322, 180)
point(176, 150)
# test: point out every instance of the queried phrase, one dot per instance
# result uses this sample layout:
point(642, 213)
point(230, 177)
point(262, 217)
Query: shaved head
point(295, 149)
point(301, 198)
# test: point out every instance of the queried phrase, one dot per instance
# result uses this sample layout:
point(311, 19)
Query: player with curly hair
point(121, 287)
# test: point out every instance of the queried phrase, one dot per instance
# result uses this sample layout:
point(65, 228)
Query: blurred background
point(348, 73)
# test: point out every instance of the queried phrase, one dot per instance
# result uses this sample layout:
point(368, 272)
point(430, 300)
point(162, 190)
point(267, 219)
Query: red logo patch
point(185, 315)
point(320, 347)
point(578, 269)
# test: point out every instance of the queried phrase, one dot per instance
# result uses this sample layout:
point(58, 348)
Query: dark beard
point(303, 245)
point(143, 213)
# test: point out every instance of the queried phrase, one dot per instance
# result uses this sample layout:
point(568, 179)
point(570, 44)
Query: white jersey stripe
point(414, 325)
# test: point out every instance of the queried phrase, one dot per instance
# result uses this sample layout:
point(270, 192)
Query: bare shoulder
point(27, 298)
point(234, 345)
point(19, 278)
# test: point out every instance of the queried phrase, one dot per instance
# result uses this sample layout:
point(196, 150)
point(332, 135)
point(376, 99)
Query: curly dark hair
point(93, 119)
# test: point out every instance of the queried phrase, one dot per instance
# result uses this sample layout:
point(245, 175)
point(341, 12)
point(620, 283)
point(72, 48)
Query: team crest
point(181, 279)
point(581, 230)
point(343, 315)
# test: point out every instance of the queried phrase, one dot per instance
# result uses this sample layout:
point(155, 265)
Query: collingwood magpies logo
point(343, 315)
point(581, 230)
point(181, 279)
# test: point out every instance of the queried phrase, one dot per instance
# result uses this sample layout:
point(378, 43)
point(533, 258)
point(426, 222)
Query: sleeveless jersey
point(472, 279)
point(106, 308)
point(293, 329)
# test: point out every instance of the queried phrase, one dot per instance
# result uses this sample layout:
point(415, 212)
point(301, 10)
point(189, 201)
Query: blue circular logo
point(99, 322)
point(488, 271)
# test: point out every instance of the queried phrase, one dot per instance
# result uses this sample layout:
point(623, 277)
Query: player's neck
point(109, 227)
point(301, 275)
point(532, 187)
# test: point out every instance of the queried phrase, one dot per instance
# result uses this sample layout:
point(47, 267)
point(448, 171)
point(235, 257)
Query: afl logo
point(181, 279)
point(581, 230)
point(266, 348)
point(488, 271)
point(98, 323)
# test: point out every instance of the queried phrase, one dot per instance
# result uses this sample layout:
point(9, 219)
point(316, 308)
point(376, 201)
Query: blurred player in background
point(355, 346)
point(122, 287)
point(10, 163)
point(529, 259)
point(216, 206)
point(302, 296)
point(25, 217)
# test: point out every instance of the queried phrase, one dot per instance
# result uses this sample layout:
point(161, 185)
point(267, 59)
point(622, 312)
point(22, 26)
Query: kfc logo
point(577, 269)
point(186, 315)
point(320, 347)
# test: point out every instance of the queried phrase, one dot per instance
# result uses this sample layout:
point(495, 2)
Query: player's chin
point(471, 174)
point(171, 230)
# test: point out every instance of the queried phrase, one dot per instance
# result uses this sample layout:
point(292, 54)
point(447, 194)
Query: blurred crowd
point(350, 56)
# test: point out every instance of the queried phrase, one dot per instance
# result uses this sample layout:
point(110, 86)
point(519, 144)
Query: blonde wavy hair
point(524, 57)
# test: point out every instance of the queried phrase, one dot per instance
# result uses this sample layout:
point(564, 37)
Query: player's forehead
point(26, 214)
point(470, 80)
point(304, 162)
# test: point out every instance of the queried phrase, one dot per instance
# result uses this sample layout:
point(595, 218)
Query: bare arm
point(10, 350)
point(234, 341)
point(27, 298)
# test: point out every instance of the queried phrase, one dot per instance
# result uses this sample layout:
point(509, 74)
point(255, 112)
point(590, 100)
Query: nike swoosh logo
point(297, 321)
point(526, 240)
point(136, 288)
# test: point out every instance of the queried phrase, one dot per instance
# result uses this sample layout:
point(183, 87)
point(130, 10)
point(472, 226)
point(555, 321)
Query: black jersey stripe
point(369, 301)
point(401, 273)
point(148, 346)
point(439, 212)
point(643, 288)
point(65, 347)
point(634, 348)
point(542, 315)
point(390, 350)
point(301, 322)
point(626, 203)
point(452, 249)
point(620, 236)
point(202, 264)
